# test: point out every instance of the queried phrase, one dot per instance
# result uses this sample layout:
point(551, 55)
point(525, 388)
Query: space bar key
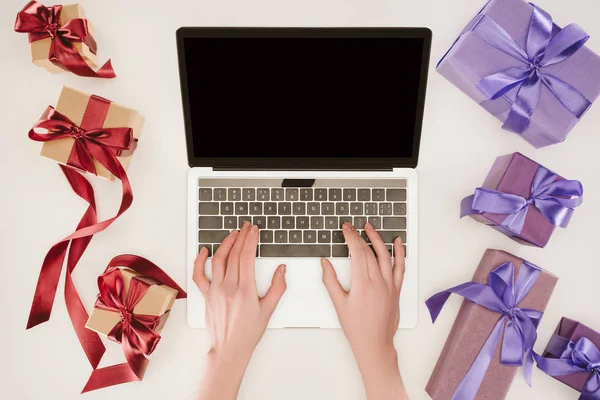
point(292, 250)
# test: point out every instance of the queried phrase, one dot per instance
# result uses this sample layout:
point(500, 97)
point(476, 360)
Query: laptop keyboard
point(301, 222)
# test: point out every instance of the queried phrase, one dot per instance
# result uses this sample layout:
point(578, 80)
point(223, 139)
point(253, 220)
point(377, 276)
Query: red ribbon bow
point(42, 22)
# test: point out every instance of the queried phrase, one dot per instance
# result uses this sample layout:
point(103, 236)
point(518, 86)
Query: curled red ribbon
point(42, 22)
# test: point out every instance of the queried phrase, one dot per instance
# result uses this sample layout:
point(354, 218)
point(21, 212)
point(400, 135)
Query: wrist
point(381, 374)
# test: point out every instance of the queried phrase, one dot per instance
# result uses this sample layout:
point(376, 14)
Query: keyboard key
point(316, 223)
point(376, 222)
point(310, 236)
point(208, 247)
point(343, 220)
point(339, 251)
point(261, 222)
point(241, 208)
point(266, 236)
point(208, 208)
point(359, 222)
point(227, 208)
point(234, 194)
point(378, 194)
point(314, 209)
point(399, 208)
point(281, 236)
point(274, 222)
point(306, 194)
point(277, 195)
point(230, 222)
point(349, 194)
point(220, 195)
point(295, 237)
point(390, 236)
point(370, 208)
point(321, 194)
point(389, 248)
point(263, 194)
point(342, 208)
point(327, 208)
point(205, 194)
point(396, 195)
point(212, 236)
point(394, 223)
point(285, 209)
point(364, 194)
point(210, 223)
point(356, 208)
point(256, 208)
point(299, 208)
point(302, 222)
point(288, 222)
point(324, 236)
point(337, 237)
point(248, 194)
point(335, 194)
point(295, 250)
point(291, 194)
point(332, 223)
point(215, 248)
point(243, 219)
point(385, 208)
point(270, 208)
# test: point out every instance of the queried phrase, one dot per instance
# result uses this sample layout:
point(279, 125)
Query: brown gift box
point(72, 104)
point(157, 301)
point(40, 49)
point(471, 329)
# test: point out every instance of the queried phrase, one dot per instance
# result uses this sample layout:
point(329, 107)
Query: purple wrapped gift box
point(538, 86)
point(573, 356)
point(523, 200)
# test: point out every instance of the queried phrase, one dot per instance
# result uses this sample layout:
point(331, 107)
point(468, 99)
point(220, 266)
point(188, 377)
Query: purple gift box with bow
point(573, 357)
point(494, 331)
point(524, 200)
point(537, 78)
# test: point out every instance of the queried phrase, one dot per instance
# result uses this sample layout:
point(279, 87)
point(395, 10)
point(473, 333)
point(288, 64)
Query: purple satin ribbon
point(542, 50)
point(500, 295)
point(579, 356)
point(555, 200)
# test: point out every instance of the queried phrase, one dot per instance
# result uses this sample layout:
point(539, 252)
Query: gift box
point(524, 200)
point(537, 79)
point(92, 113)
point(485, 347)
point(572, 357)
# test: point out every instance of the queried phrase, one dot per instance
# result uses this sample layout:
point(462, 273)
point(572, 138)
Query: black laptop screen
point(304, 97)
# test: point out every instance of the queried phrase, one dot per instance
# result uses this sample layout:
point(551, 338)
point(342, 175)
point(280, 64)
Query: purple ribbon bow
point(581, 356)
point(556, 200)
point(503, 296)
point(542, 50)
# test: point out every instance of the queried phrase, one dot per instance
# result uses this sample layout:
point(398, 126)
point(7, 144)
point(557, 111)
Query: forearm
point(381, 375)
point(223, 376)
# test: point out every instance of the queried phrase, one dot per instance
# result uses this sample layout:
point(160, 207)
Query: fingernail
point(246, 223)
point(203, 250)
point(346, 225)
point(323, 264)
point(235, 232)
point(254, 229)
point(368, 226)
point(398, 240)
point(283, 269)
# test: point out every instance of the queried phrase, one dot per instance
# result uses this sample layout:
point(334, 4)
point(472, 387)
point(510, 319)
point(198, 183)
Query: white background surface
point(460, 142)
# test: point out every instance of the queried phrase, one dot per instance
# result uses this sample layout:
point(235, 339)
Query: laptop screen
point(356, 96)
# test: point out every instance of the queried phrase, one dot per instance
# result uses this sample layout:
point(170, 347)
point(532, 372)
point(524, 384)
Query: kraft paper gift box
point(40, 49)
point(471, 58)
point(73, 104)
point(472, 328)
point(514, 174)
point(158, 301)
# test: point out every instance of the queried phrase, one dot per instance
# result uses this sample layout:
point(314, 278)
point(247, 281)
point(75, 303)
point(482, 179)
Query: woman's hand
point(235, 316)
point(370, 312)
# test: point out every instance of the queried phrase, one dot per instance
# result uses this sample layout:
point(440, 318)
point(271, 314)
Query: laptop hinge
point(301, 169)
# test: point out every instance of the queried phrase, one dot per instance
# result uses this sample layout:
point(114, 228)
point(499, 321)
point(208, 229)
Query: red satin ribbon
point(136, 333)
point(42, 22)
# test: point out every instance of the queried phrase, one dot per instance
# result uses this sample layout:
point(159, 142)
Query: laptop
point(300, 130)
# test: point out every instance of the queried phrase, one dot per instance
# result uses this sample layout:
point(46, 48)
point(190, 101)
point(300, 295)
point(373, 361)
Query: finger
point(384, 259)
point(199, 275)
point(372, 267)
point(399, 263)
point(233, 262)
point(358, 256)
point(330, 280)
point(219, 259)
point(269, 302)
point(248, 258)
